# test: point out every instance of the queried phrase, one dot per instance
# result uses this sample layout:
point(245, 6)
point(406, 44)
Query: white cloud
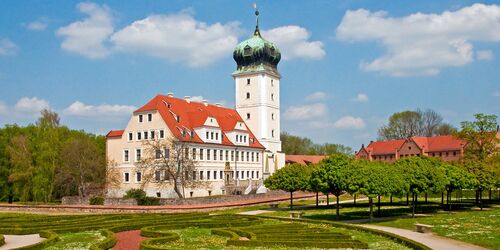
point(349, 122)
point(319, 95)
point(360, 98)
point(86, 37)
point(422, 44)
point(486, 55)
point(293, 41)
point(178, 38)
point(7, 47)
point(31, 105)
point(38, 25)
point(304, 112)
point(78, 108)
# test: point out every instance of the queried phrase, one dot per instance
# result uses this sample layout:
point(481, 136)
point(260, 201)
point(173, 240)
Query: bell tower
point(257, 95)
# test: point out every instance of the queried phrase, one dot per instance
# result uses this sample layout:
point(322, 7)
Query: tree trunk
point(354, 199)
point(489, 195)
point(477, 197)
point(425, 197)
point(291, 200)
point(413, 205)
point(338, 208)
point(442, 198)
point(176, 189)
point(370, 200)
point(481, 199)
point(448, 199)
point(416, 203)
point(390, 199)
point(407, 200)
point(327, 200)
point(317, 199)
point(378, 212)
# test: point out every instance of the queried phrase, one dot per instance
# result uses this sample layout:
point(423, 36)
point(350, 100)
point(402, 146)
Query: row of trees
point(479, 170)
point(295, 145)
point(45, 161)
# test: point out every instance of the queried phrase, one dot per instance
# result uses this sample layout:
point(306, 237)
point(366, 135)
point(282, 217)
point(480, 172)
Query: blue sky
point(347, 65)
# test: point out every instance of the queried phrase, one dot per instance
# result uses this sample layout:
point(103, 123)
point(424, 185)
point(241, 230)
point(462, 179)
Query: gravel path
point(431, 240)
point(15, 241)
point(128, 240)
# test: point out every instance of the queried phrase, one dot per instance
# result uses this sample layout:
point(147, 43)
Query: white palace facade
point(231, 148)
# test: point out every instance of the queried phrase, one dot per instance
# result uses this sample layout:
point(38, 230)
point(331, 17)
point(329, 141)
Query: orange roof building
point(304, 159)
point(447, 148)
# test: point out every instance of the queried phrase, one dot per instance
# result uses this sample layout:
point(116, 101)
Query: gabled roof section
point(115, 134)
point(192, 115)
point(304, 159)
point(445, 142)
point(384, 147)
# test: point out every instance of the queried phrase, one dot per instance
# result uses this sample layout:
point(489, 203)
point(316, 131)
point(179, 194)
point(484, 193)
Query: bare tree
point(167, 163)
point(48, 119)
point(431, 122)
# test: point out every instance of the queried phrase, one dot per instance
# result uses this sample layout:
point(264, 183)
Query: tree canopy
point(291, 178)
point(295, 145)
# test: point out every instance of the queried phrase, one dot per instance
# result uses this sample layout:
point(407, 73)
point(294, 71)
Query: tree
point(291, 178)
point(457, 178)
point(314, 184)
point(48, 119)
point(408, 123)
point(482, 145)
point(295, 145)
point(421, 174)
point(332, 175)
point(167, 163)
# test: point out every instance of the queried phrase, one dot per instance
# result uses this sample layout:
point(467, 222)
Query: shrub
point(140, 196)
point(2, 240)
point(153, 244)
point(96, 200)
point(107, 243)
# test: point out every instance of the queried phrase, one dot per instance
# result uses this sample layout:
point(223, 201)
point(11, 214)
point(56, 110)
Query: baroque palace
point(238, 146)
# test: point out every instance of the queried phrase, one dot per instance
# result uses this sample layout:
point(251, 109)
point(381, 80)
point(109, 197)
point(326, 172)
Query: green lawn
point(476, 227)
point(79, 240)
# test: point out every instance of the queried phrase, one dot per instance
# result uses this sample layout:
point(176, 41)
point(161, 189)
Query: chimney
point(205, 102)
point(187, 98)
point(170, 94)
point(218, 105)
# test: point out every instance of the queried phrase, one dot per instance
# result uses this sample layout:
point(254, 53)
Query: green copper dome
point(256, 54)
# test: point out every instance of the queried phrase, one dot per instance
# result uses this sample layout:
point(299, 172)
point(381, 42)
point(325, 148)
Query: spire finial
point(256, 32)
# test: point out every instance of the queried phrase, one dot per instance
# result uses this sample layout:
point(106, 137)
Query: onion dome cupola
point(256, 54)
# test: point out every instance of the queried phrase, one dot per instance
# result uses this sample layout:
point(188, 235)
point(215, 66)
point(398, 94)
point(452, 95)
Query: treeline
point(479, 170)
point(295, 145)
point(45, 161)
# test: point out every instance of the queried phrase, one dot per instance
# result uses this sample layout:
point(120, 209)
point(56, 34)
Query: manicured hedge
point(107, 243)
point(316, 244)
point(158, 243)
point(50, 236)
point(2, 240)
point(402, 240)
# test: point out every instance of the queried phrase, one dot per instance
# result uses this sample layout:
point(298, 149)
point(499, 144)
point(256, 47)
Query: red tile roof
point(427, 144)
point(193, 115)
point(115, 133)
point(304, 159)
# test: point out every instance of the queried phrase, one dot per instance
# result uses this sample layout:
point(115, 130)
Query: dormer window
point(150, 117)
point(207, 134)
point(248, 116)
point(247, 51)
point(140, 118)
point(248, 95)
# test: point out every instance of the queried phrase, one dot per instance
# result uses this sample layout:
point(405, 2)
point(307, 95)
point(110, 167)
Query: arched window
point(272, 97)
point(248, 95)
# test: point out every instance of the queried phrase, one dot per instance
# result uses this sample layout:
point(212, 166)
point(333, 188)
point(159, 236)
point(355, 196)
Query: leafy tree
point(408, 123)
point(314, 184)
point(421, 175)
point(295, 145)
point(291, 178)
point(331, 176)
point(457, 178)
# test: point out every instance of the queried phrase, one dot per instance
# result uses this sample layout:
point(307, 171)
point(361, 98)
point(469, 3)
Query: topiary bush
point(140, 196)
point(107, 243)
point(96, 200)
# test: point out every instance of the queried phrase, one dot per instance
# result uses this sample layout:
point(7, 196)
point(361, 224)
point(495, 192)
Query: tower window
point(272, 133)
point(248, 81)
point(247, 51)
point(272, 97)
point(248, 116)
point(248, 95)
point(272, 82)
point(272, 116)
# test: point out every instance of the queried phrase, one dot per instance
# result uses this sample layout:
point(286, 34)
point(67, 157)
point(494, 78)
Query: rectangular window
point(237, 155)
point(232, 155)
point(208, 154)
point(150, 117)
point(167, 153)
point(221, 175)
point(138, 154)
point(215, 154)
point(201, 154)
point(212, 136)
point(157, 176)
point(125, 155)
point(194, 153)
point(257, 174)
point(257, 157)
point(217, 136)
point(454, 153)
point(215, 175)
point(138, 177)
point(140, 118)
point(227, 155)
point(252, 174)
point(248, 174)
point(162, 134)
point(248, 156)
point(126, 177)
point(152, 134)
point(158, 154)
point(186, 153)
point(146, 135)
point(237, 174)
point(201, 175)
point(194, 175)
point(139, 136)
point(253, 156)
point(207, 135)
point(130, 136)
